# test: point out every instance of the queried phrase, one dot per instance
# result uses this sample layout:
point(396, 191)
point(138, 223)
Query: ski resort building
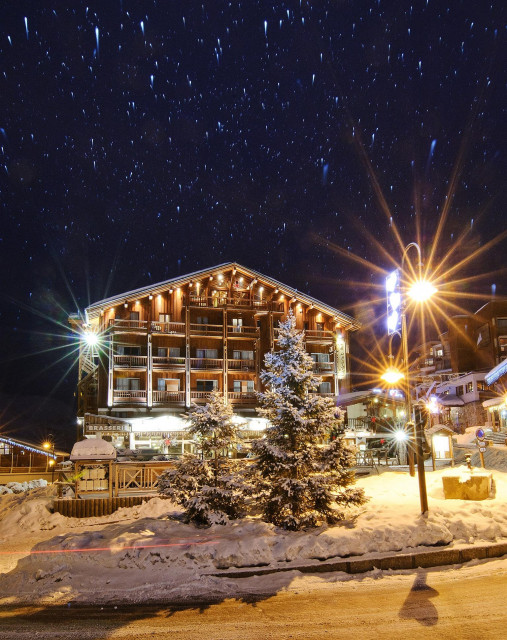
point(147, 355)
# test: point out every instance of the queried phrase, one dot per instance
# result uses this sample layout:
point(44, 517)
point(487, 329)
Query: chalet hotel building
point(146, 356)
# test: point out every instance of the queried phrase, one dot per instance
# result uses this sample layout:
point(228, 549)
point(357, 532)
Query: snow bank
point(19, 487)
point(145, 553)
point(495, 457)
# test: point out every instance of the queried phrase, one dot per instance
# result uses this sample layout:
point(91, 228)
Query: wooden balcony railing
point(241, 365)
point(311, 334)
point(120, 395)
point(168, 396)
point(131, 362)
point(128, 325)
point(206, 363)
point(206, 329)
point(144, 325)
point(324, 395)
point(160, 362)
point(247, 397)
point(360, 424)
point(234, 302)
point(323, 367)
point(168, 327)
point(200, 395)
point(233, 330)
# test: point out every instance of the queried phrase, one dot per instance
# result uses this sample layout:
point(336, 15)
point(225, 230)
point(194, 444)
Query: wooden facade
point(164, 347)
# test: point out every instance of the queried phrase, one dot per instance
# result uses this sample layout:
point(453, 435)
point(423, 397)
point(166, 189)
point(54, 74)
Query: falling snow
point(190, 134)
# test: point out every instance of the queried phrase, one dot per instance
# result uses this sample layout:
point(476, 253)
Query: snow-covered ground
point(145, 553)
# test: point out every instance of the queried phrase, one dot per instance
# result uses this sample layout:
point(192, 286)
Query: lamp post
point(49, 446)
point(420, 290)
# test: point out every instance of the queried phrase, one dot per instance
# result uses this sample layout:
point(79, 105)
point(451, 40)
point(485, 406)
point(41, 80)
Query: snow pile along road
point(146, 554)
point(19, 487)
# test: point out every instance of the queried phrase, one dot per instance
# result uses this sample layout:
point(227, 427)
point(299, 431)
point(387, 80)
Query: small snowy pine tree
point(301, 482)
point(206, 484)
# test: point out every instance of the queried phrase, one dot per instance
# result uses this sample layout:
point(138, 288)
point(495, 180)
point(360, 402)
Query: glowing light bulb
point(392, 376)
point(421, 290)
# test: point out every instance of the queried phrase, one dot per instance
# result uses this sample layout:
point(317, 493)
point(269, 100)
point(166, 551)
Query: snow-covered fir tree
point(302, 480)
point(207, 484)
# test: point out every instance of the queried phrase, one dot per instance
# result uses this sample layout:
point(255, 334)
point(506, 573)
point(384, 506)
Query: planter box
point(467, 486)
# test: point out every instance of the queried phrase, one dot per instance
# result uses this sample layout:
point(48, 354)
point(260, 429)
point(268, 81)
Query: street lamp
point(49, 446)
point(392, 375)
point(419, 290)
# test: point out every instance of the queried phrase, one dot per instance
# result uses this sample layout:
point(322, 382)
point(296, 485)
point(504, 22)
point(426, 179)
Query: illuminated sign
point(393, 294)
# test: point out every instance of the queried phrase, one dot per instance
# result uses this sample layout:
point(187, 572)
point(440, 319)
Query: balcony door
point(207, 385)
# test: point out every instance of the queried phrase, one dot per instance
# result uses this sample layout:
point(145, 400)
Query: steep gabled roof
point(94, 309)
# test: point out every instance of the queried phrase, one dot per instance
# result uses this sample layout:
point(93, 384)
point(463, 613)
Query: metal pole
point(408, 400)
point(420, 464)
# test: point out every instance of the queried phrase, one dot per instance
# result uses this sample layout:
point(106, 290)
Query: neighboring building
point(496, 407)
point(454, 369)
point(371, 415)
point(165, 346)
point(20, 454)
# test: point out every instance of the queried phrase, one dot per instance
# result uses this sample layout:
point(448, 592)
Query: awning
point(450, 400)
point(493, 402)
point(496, 373)
point(96, 449)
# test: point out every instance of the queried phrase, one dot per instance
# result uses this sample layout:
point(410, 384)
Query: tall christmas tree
point(206, 484)
point(303, 482)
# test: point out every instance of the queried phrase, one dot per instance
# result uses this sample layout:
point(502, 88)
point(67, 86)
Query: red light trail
point(113, 549)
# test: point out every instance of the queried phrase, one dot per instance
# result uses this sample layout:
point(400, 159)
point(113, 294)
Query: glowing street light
point(421, 291)
point(392, 376)
point(49, 446)
point(91, 338)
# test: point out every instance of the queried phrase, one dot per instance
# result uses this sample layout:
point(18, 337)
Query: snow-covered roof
point(93, 449)
point(95, 309)
point(30, 446)
point(493, 402)
point(450, 400)
point(496, 373)
point(439, 428)
point(357, 396)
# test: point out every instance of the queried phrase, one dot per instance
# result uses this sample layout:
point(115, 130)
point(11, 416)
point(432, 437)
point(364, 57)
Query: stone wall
point(472, 414)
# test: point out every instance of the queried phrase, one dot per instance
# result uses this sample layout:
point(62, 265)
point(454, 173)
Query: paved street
point(468, 603)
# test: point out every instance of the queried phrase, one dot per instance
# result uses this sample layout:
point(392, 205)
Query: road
point(465, 603)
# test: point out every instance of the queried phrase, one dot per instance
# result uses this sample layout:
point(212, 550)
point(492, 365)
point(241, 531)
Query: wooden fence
point(95, 507)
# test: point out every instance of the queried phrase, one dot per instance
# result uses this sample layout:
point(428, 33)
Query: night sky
point(142, 140)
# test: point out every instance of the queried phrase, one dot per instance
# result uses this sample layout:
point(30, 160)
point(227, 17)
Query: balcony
point(162, 397)
point(200, 395)
point(242, 397)
point(313, 336)
point(168, 362)
point(168, 327)
point(128, 325)
point(206, 329)
point(323, 367)
point(234, 302)
point(129, 396)
point(364, 423)
point(130, 362)
point(323, 395)
point(234, 331)
point(206, 363)
point(241, 365)
point(318, 336)
point(143, 325)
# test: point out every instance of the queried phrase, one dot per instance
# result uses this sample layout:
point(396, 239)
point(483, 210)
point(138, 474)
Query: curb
point(400, 561)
